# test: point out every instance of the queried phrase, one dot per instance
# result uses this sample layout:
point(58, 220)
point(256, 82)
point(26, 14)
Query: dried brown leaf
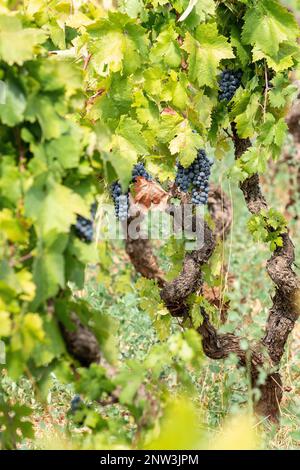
point(148, 193)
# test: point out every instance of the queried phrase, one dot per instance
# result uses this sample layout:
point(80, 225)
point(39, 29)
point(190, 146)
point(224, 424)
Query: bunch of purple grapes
point(140, 170)
point(121, 200)
point(84, 228)
point(229, 82)
point(195, 177)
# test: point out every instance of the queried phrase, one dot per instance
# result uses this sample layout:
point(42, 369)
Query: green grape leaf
point(175, 92)
point(131, 130)
point(10, 181)
point(267, 25)
point(283, 60)
point(5, 323)
point(48, 275)
point(166, 49)
point(273, 133)
point(12, 110)
point(205, 8)
point(55, 74)
point(117, 45)
point(32, 333)
point(185, 144)
point(122, 157)
point(11, 227)
point(85, 253)
point(52, 347)
point(67, 148)
point(205, 52)
point(132, 7)
point(242, 51)
point(282, 92)
point(201, 109)
point(153, 77)
point(53, 207)
point(254, 160)
point(40, 108)
point(248, 108)
point(165, 129)
point(25, 41)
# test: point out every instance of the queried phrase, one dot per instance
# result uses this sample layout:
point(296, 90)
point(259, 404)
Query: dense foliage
point(93, 100)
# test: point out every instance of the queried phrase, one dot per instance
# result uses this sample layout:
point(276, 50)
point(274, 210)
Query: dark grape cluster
point(229, 82)
point(76, 404)
point(140, 170)
point(84, 228)
point(121, 201)
point(196, 177)
point(183, 177)
point(93, 210)
point(77, 411)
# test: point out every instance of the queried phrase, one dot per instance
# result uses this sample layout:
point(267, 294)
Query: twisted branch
point(285, 308)
point(175, 293)
point(282, 316)
point(81, 342)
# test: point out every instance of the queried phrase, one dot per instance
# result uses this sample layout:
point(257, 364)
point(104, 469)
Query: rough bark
point(220, 346)
point(292, 156)
point(81, 343)
point(175, 293)
point(293, 119)
point(143, 259)
point(220, 209)
point(282, 316)
point(285, 308)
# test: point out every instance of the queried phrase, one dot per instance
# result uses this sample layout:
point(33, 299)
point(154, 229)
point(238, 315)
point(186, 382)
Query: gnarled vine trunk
point(285, 307)
point(283, 313)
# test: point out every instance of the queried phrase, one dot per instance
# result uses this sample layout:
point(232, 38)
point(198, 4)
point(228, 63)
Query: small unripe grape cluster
point(229, 82)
